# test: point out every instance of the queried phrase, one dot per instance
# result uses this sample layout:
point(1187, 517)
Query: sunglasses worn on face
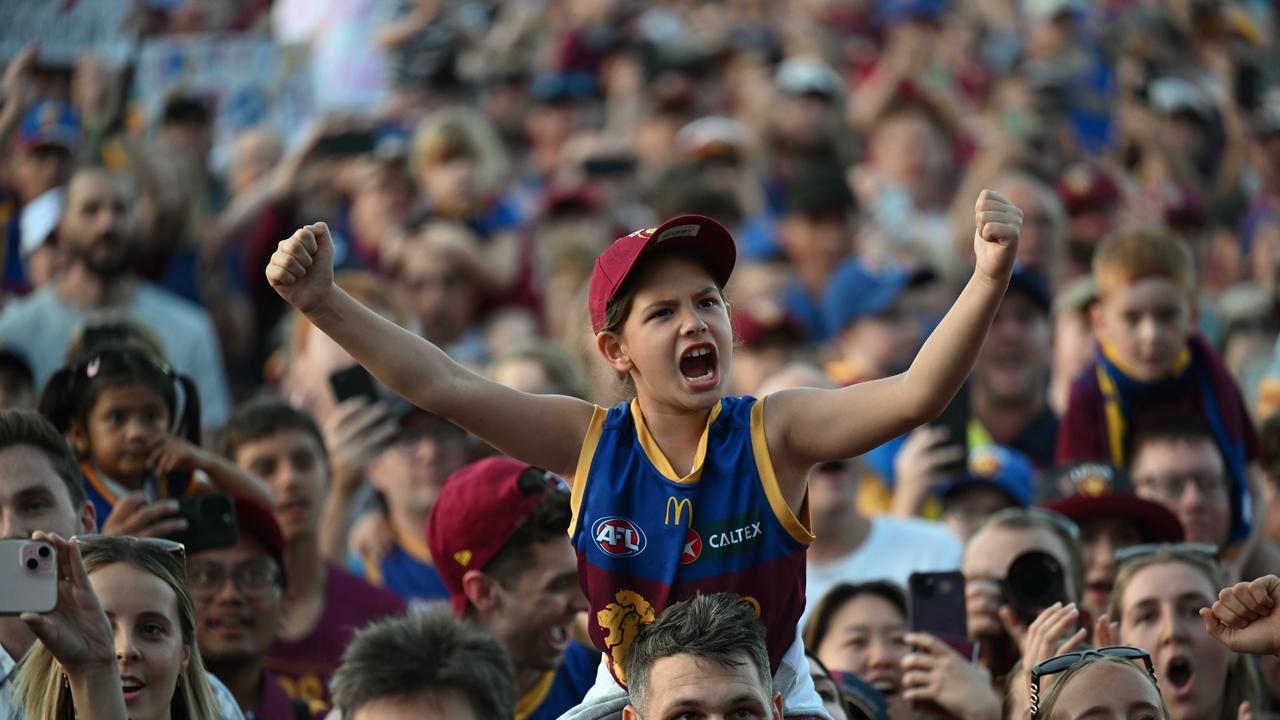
point(1202, 551)
point(1062, 663)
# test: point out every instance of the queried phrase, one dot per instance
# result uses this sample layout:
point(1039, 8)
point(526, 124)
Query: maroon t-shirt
point(273, 701)
point(303, 667)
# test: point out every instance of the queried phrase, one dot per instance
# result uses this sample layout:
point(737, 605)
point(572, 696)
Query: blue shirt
point(406, 570)
point(571, 681)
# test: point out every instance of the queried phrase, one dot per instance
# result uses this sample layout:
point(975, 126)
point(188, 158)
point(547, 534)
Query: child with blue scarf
point(1150, 364)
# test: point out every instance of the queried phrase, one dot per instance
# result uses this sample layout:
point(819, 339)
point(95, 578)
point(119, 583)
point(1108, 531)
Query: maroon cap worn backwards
point(702, 236)
point(477, 512)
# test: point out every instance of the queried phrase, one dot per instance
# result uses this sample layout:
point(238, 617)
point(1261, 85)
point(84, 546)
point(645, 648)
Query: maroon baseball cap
point(257, 519)
point(701, 236)
point(477, 512)
point(1084, 490)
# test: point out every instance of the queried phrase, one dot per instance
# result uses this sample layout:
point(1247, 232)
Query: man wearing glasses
point(239, 593)
point(1177, 463)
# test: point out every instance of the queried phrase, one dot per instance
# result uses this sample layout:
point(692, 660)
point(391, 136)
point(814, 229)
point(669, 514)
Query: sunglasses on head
point(1203, 551)
point(99, 541)
point(1062, 663)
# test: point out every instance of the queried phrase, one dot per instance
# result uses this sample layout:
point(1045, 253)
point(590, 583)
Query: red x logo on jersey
point(692, 547)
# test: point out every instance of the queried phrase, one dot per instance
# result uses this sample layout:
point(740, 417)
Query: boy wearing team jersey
point(655, 478)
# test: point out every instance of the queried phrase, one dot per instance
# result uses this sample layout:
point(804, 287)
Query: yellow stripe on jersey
point(800, 528)
point(589, 443)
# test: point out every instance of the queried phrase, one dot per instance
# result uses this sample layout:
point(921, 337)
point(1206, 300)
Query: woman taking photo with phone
point(142, 663)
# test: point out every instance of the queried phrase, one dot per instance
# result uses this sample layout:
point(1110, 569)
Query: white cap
point(40, 218)
point(807, 75)
point(1171, 94)
point(1049, 9)
point(711, 129)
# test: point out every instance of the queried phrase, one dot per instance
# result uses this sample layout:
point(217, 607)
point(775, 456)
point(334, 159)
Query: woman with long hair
point(149, 642)
point(1155, 605)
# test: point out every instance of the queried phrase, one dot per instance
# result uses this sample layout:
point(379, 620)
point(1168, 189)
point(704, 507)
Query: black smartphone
point(937, 607)
point(955, 419)
point(211, 522)
point(355, 381)
point(355, 142)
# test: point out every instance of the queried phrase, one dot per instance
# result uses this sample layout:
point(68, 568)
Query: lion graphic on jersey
point(621, 620)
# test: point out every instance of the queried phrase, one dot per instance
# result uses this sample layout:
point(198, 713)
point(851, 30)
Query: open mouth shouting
point(699, 366)
point(1178, 676)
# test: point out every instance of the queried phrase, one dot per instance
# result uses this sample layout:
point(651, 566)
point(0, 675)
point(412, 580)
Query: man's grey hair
point(721, 628)
point(420, 655)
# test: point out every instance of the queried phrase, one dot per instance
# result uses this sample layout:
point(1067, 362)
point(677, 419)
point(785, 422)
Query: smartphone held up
point(28, 576)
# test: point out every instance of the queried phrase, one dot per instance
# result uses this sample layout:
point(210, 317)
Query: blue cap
point(855, 292)
point(50, 123)
point(896, 11)
point(999, 467)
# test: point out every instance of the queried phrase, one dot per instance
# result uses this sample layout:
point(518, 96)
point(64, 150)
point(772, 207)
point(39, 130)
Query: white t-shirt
point(41, 325)
point(894, 548)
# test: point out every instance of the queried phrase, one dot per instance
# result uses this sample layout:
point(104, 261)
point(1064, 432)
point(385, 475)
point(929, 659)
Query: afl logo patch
point(618, 537)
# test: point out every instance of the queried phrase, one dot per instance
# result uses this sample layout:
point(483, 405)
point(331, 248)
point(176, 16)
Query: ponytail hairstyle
point(71, 393)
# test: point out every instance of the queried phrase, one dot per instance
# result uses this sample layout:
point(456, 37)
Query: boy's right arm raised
point(543, 430)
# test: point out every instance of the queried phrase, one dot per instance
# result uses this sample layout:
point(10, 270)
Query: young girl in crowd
point(118, 407)
point(681, 489)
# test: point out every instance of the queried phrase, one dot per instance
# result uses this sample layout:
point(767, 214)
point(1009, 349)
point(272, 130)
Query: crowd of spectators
point(1103, 492)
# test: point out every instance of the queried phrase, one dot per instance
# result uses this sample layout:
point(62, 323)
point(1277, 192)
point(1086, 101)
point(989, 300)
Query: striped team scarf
point(1194, 364)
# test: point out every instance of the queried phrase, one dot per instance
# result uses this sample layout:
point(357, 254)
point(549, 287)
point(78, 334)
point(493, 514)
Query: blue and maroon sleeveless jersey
point(647, 536)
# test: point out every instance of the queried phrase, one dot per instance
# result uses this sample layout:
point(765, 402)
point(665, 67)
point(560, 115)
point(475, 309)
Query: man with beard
point(97, 231)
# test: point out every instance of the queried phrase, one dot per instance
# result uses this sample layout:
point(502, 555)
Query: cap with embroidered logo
point(1086, 490)
point(699, 235)
point(478, 510)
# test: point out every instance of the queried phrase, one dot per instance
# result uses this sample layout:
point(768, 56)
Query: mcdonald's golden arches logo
point(680, 506)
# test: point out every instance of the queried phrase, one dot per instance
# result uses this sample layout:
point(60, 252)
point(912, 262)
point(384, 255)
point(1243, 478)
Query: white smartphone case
point(28, 577)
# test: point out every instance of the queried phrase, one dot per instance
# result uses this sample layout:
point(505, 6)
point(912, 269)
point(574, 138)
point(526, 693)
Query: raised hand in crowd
point(921, 466)
point(301, 268)
point(936, 673)
point(1051, 634)
point(135, 515)
point(1243, 617)
point(355, 432)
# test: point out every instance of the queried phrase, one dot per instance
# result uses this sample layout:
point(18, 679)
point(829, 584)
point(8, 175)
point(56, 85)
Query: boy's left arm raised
point(808, 426)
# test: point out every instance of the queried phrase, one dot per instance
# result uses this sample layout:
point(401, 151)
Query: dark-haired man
point(283, 446)
point(498, 536)
point(98, 230)
point(239, 594)
point(705, 657)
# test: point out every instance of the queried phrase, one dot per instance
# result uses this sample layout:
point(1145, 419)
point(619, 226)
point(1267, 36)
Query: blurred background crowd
point(472, 158)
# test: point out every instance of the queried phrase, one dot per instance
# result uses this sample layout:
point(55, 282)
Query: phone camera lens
point(44, 552)
point(32, 563)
